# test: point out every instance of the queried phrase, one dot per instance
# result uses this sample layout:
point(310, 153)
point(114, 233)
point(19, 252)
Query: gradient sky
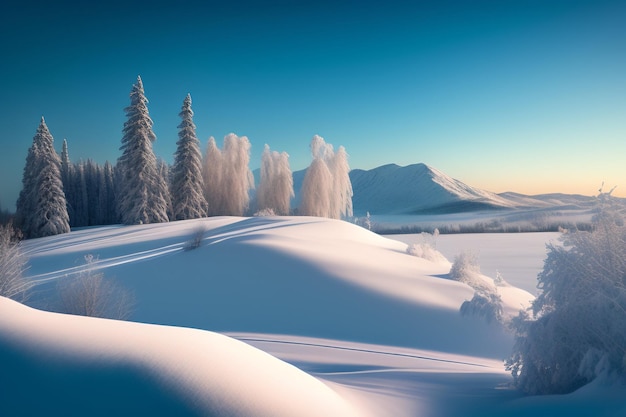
point(526, 96)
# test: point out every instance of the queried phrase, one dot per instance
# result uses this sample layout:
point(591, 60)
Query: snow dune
point(343, 323)
point(55, 364)
point(299, 276)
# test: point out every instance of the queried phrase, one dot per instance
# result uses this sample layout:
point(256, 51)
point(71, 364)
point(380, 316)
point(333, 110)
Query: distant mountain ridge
point(422, 189)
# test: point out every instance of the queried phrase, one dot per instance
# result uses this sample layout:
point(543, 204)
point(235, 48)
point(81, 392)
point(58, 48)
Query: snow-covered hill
point(372, 331)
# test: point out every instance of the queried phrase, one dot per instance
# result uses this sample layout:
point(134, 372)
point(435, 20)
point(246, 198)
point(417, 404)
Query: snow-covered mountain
point(422, 189)
point(417, 188)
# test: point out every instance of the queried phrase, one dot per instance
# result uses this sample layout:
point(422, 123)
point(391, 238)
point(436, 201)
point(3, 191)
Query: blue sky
point(526, 96)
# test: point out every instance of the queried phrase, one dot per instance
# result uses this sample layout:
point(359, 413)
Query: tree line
point(140, 188)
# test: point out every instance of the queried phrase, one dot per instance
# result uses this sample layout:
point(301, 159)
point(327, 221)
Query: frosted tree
point(326, 189)
point(315, 195)
point(276, 187)
point(188, 200)
point(227, 176)
point(212, 178)
point(341, 201)
point(141, 196)
point(41, 206)
point(576, 329)
point(237, 178)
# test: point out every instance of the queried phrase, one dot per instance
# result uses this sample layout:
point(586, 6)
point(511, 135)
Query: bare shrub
point(91, 294)
point(196, 238)
point(12, 265)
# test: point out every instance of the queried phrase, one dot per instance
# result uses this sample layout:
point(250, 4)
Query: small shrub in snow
point(487, 305)
point(12, 265)
point(576, 328)
point(91, 294)
point(426, 249)
point(486, 302)
point(465, 269)
point(265, 213)
point(196, 238)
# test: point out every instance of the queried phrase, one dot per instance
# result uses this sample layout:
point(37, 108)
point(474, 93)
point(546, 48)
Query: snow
point(330, 318)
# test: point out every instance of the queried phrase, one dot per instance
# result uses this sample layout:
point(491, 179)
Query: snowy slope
point(56, 364)
point(299, 276)
point(375, 332)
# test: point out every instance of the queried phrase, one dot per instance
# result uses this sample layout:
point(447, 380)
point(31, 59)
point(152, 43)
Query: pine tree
point(67, 177)
point(187, 185)
point(141, 198)
point(107, 199)
point(42, 208)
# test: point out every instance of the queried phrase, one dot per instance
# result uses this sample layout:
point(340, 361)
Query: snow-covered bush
point(91, 294)
point(465, 269)
point(426, 248)
point(486, 302)
point(487, 305)
point(266, 212)
point(12, 266)
point(577, 325)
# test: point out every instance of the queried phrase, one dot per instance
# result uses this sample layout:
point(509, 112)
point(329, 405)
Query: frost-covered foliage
point(41, 206)
point(187, 184)
point(12, 265)
point(326, 189)
point(426, 248)
point(486, 302)
point(142, 191)
point(465, 269)
point(227, 176)
point(276, 187)
point(267, 212)
point(91, 294)
point(576, 329)
point(165, 175)
point(487, 305)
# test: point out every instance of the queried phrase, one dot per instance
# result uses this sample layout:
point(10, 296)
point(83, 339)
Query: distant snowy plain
point(272, 316)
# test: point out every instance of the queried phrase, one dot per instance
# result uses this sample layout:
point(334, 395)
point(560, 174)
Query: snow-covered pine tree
point(276, 187)
point(42, 208)
point(67, 178)
point(141, 197)
point(163, 185)
point(107, 196)
point(188, 200)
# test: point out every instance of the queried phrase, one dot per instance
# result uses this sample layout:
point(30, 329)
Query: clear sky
point(526, 96)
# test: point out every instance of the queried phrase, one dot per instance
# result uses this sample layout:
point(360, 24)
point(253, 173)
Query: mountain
point(422, 189)
point(413, 189)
